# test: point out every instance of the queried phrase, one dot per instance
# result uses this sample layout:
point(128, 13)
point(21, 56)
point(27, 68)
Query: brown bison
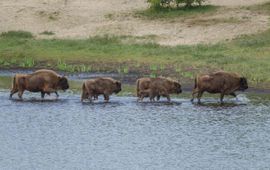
point(142, 84)
point(44, 81)
point(219, 82)
point(156, 87)
point(100, 86)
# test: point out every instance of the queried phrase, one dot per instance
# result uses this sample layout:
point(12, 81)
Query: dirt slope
point(84, 18)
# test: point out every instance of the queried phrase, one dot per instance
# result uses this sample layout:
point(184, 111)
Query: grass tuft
point(16, 34)
point(47, 33)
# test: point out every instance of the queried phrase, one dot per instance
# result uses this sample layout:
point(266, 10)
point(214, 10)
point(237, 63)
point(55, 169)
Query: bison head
point(117, 87)
point(63, 83)
point(177, 87)
point(243, 84)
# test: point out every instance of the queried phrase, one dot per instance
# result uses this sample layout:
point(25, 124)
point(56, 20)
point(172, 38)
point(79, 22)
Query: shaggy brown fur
point(100, 86)
point(156, 87)
point(44, 81)
point(219, 82)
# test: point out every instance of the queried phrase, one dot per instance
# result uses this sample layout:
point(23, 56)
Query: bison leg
point(165, 93)
point(90, 96)
point(42, 95)
point(200, 93)
point(158, 97)
point(106, 98)
point(194, 91)
point(141, 98)
point(138, 96)
point(13, 91)
point(221, 98)
point(152, 95)
point(233, 94)
point(168, 98)
point(142, 95)
point(57, 95)
point(152, 98)
point(20, 94)
point(85, 95)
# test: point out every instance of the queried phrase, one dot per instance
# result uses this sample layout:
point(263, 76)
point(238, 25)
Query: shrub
point(155, 4)
point(47, 33)
point(16, 34)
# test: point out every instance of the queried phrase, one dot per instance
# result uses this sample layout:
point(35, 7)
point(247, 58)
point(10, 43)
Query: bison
point(100, 86)
point(142, 84)
point(219, 82)
point(44, 81)
point(156, 87)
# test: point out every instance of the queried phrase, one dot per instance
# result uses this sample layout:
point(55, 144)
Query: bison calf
point(44, 81)
point(219, 82)
point(156, 87)
point(100, 86)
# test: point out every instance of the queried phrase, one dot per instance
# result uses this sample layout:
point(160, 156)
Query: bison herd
point(48, 81)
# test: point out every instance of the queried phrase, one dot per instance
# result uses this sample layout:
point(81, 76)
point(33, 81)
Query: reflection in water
point(123, 134)
point(219, 105)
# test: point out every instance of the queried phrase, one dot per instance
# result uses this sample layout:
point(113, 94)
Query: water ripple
point(123, 134)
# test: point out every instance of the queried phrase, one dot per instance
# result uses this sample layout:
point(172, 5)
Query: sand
point(84, 18)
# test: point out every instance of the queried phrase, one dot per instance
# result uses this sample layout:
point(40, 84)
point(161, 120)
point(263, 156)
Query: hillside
point(83, 18)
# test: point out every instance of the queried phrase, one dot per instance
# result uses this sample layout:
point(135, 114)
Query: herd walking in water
point(48, 81)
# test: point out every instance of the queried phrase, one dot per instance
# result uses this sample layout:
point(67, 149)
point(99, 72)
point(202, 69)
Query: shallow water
point(124, 134)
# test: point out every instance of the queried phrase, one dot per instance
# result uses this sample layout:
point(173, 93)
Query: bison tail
point(195, 82)
point(83, 86)
point(137, 88)
point(83, 92)
point(14, 84)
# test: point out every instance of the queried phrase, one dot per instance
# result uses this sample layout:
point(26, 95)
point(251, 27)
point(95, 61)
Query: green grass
point(16, 34)
point(247, 55)
point(169, 13)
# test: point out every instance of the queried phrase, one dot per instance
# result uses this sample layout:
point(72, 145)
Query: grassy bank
point(247, 55)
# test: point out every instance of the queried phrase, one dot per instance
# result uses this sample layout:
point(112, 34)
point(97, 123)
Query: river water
point(124, 134)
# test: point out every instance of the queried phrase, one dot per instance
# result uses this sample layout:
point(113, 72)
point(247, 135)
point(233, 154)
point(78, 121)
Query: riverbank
point(246, 55)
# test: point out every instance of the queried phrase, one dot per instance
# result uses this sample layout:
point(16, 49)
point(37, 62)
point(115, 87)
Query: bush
point(16, 34)
point(174, 3)
point(47, 33)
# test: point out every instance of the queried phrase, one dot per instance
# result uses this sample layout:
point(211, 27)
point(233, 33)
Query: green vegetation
point(16, 34)
point(159, 4)
point(247, 55)
point(171, 13)
point(170, 9)
point(47, 33)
